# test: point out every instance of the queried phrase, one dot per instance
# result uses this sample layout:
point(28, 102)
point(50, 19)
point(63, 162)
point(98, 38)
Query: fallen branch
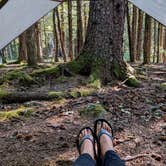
point(151, 156)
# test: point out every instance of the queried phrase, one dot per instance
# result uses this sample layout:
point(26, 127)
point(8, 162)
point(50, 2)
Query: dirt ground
point(47, 138)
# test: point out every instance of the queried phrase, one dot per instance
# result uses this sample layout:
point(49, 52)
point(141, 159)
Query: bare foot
point(105, 141)
point(87, 146)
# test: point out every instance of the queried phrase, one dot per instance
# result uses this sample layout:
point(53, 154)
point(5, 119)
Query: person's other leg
point(85, 160)
point(112, 159)
point(87, 151)
point(109, 157)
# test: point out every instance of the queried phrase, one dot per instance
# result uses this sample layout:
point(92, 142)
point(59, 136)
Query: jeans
point(110, 159)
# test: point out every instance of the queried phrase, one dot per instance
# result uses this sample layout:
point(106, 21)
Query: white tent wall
point(18, 15)
point(154, 8)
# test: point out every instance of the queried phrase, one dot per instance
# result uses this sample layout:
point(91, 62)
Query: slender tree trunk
point(147, 39)
point(62, 21)
point(164, 46)
point(85, 20)
point(79, 27)
point(129, 31)
point(70, 29)
point(61, 36)
point(155, 41)
point(22, 48)
point(161, 42)
point(31, 46)
point(158, 44)
point(134, 34)
point(56, 40)
point(139, 36)
point(38, 42)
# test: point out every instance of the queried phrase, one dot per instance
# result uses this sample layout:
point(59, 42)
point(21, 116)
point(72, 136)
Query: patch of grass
point(7, 115)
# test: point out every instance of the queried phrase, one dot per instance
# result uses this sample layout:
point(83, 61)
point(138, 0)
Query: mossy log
point(21, 97)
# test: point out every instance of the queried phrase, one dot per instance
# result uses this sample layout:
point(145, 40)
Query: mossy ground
point(7, 115)
point(93, 110)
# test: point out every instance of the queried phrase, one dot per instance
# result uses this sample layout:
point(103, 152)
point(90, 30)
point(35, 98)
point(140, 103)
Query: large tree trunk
point(139, 36)
point(31, 46)
point(147, 39)
point(102, 54)
point(70, 29)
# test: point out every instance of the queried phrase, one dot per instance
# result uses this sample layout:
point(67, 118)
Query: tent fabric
point(18, 15)
point(154, 8)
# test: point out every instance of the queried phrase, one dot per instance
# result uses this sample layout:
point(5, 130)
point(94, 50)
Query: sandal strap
point(104, 132)
point(86, 137)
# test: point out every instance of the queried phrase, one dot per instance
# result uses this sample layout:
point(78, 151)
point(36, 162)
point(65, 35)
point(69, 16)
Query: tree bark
point(31, 46)
point(56, 39)
point(139, 36)
point(38, 43)
point(70, 30)
point(102, 54)
point(129, 31)
point(61, 36)
point(164, 46)
point(22, 48)
point(147, 39)
point(155, 42)
point(134, 34)
point(79, 27)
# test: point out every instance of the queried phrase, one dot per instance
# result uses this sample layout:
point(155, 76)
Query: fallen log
point(21, 97)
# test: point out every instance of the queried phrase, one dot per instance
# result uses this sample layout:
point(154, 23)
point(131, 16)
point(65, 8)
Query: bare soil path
point(47, 137)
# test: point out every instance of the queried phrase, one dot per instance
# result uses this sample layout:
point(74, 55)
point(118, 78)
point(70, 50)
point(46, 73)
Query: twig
point(129, 158)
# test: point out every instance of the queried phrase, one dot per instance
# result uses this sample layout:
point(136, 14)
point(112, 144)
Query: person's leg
point(108, 155)
point(87, 151)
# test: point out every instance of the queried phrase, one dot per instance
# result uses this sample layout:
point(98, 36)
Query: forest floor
point(47, 136)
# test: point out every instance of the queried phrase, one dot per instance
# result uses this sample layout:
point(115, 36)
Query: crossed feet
point(105, 141)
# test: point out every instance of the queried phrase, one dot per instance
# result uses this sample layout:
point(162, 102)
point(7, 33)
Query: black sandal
point(101, 132)
point(89, 137)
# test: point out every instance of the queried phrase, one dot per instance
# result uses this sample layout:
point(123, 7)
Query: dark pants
point(110, 159)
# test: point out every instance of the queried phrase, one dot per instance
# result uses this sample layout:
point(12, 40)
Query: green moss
point(3, 93)
point(21, 76)
point(26, 112)
point(94, 81)
point(163, 86)
point(57, 95)
point(133, 82)
point(74, 66)
point(93, 110)
point(47, 71)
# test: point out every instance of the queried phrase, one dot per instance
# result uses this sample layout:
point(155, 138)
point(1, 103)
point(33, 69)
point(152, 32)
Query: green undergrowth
point(21, 76)
point(133, 82)
point(163, 86)
point(7, 115)
point(50, 71)
point(93, 110)
point(74, 93)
